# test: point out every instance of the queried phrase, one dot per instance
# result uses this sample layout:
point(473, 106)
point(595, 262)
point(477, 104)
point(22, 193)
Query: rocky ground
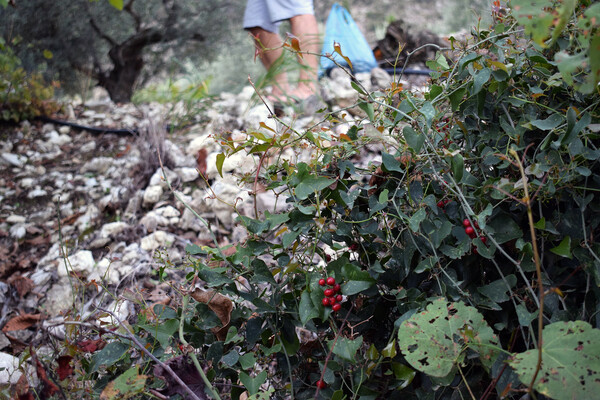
point(101, 200)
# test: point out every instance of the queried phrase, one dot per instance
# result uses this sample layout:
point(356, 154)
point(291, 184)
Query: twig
point(132, 337)
point(538, 270)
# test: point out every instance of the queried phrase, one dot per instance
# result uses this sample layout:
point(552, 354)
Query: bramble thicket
point(465, 264)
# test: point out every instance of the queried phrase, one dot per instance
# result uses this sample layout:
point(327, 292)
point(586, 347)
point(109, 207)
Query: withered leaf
point(220, 305)
point(20, 322)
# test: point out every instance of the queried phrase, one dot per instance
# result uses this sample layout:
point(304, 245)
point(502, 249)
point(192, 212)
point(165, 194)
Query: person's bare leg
point(305, 28)
point(269, 47)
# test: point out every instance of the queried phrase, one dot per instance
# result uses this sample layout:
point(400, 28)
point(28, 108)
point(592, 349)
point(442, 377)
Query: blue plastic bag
point(342, 29)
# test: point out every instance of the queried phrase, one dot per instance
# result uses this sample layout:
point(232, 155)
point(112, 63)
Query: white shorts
point(268, 14)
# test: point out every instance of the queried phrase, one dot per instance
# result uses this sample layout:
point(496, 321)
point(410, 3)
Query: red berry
point(325, 301)
point(484, 239)
point(329, 292)
point(330, 281)
point(339, 298)
point(336, 307)
point(466, 223)
point(322, 282)
point(353, 246)
point(476, 223)
point(337, 288)
point(327, 258)
point(469, 230)
point(332, 301)
point(441, 204)
point(475, 251)
point(321, 384)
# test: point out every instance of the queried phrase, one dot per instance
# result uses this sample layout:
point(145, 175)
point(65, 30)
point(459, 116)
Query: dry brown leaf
point(201, 161)
point(21, 322)
point(220, 305)
point(23, 284)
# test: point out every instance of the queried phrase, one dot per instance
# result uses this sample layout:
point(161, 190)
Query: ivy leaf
point(312, 184)
point(416, 219)
point(564, 248)
point(253, 384)
point(549, 123)
point(458, 167)
point(125, 386)
point(347, 348)
point(414, 139)
point(389, 163)
point(570, 362)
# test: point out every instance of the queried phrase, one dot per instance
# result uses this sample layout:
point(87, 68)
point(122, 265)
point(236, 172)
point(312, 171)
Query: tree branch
point(103, 35)
point(136, 18)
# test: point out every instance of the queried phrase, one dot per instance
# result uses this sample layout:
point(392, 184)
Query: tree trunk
point(128, 62)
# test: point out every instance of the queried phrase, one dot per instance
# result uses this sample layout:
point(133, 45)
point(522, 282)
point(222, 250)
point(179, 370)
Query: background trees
point(117, 48)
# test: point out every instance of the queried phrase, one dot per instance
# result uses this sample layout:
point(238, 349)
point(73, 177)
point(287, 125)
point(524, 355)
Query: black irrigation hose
point(91, 129)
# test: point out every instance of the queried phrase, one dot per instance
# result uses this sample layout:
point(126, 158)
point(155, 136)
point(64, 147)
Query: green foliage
point(433, 246)
point(571, 365)
point(435, 340)
point(23, 95)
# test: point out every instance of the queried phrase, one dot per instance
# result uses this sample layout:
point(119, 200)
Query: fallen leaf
point(49, 387)
point(90, 346)
point(220, 305)
point(20, 322)
point(64, 369)
point(22, 284)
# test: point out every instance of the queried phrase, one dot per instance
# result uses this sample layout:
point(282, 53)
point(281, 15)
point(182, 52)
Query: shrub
point(22, 95)
point(464, 258)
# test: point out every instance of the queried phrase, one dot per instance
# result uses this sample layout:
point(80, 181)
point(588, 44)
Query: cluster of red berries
point(442, 203)
point(470, 231)
point(332, 297)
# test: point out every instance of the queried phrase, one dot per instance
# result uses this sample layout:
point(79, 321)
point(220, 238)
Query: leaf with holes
point(434, 340)
point(570, 362)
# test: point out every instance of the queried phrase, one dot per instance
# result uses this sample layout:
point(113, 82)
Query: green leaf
point(4, 3)
point(346, 348)
point(125, 386)
point(480, 79)
point(231, 358)
point(109, 355)
point(163, 332)
point(434, 341)
point(416, 219)
point(357, 88)
point(564, 248)
point(403, 373)
point(496, 291)
point(458, 167)
point(414, 139)
point(247, 361)
point(312, 184)
point(428, 111)
point(389, 163)
point(368, 109)
point(457, 97)
point(253, 384)
point(307, 309)
point(549, 123)
point(570, 362)
point(357, 279)
point(47, 54)
point(118, 4)
point(220, 161)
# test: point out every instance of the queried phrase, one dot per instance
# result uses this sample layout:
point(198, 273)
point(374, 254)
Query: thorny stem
point(213, 392)
point(132, 337)
point(538, 270)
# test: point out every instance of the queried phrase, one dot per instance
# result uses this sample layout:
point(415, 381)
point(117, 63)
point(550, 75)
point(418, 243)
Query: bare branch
point(138, 21)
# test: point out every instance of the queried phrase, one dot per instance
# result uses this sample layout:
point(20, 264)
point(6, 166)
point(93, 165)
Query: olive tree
point(120, 44)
